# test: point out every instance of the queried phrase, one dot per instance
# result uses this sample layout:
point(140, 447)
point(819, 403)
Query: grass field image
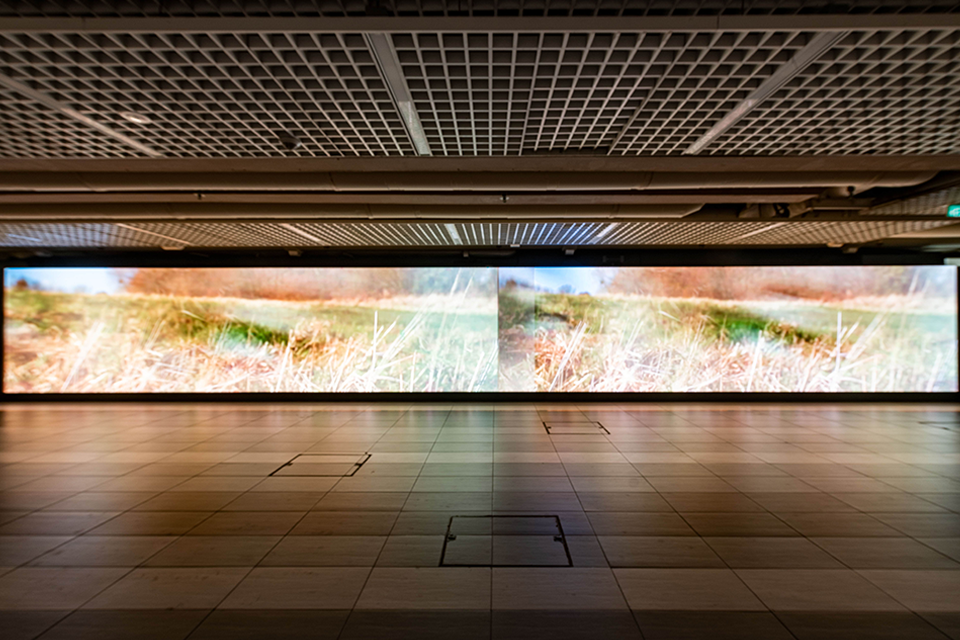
point(740, 329)
point(249, 330)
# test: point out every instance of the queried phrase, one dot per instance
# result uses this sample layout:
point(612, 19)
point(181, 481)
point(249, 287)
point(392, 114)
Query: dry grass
point(125, 344)
point(649, 344)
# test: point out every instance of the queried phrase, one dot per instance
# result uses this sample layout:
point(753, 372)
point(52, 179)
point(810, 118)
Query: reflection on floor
point(707, 521)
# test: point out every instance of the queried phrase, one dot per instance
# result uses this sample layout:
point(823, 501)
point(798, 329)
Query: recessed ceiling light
point(135, 118)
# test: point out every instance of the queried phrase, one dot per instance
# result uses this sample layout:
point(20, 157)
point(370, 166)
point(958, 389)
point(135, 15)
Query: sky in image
point(66, 279)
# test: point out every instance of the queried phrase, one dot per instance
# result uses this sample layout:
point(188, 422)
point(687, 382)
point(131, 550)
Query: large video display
point(543, 329)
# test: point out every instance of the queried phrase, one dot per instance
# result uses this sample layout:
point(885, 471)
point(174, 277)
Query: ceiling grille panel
point(29, 129)
point(504, 94)
point(218, 94)
point(928, 204)
point(884, 93)
point(524, 93)
point(54, 235)
point(853, 232)
point(429, 234)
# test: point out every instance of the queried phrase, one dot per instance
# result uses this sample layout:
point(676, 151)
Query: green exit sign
point(953, 211)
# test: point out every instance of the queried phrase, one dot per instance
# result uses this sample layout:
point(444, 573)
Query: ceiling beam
point(711, 196)
point(502, 182)
point(382, 215)
point(817, 46)
point(478, 24)
point(241, 212)
point(479, 164)
point(388, 63)
point(59, 107)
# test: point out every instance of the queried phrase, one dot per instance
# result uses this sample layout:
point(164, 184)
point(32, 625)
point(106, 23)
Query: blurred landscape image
point(98, 330)
point(735, 329)
point(546, 329)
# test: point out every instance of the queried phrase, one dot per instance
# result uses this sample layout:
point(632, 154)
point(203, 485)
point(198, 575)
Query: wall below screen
point(503, 334)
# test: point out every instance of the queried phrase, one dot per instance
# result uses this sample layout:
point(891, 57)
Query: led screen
point(732, 329)
point(546, 329)
point(250, 330)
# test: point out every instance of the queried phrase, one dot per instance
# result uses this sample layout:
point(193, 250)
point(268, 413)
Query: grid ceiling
point(510, 93)
point(187, 8)
point(219, 94)
point(934, 203)
point(873, 93)
point(429, 234)
point(29, 129)
point(589, 93)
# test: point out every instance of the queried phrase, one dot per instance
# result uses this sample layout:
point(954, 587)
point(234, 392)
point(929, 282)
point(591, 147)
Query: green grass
point(600, 343)
point(316, 344)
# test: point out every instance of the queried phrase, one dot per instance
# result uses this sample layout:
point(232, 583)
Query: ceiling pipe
point(449, 198)
point(189, 212)
point(451, 181)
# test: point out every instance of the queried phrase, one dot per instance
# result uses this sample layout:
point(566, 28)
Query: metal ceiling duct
point(448, 181)
point(359, 212)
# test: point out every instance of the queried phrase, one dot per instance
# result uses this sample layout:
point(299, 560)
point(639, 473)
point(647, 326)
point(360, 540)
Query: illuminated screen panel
point(545, 329)
point(729, 329)
point(250, 330)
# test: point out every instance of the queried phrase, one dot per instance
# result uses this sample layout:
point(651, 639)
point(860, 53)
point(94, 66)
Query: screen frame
point(482, 257)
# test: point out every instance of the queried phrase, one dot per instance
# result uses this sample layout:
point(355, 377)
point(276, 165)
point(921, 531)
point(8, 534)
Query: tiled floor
point(164, 522)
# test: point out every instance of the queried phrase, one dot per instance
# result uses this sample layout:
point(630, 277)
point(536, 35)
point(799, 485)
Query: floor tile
point(651, 551)
point(949, 547)
point(816, 590)
point(606, 523)
point(885, 553)
point(325, 551)
point(411, 551)
point(738, 524)
point(427, 589)
point(686, 590)
point(48, 523)
point(53, 588)
point(17, 550)
point(457, 484)
point(570, 589)
point(151, 523)
point(876, 625)
point(564, 625)
point(27, 625)
point(124, 625)
point(345, 523)
point(855, 525)
point(715, 625)
point(214, 551)
point(417, 625)
point(772, 553)
point(166, 588)
point(298, 588)
point(363, 501)
point(712, 502)
point(269, 501)
point(923, 591)
point(267, 625)
point(104, 551)
point(923, 525)
point(247, 523)
point(623, 501)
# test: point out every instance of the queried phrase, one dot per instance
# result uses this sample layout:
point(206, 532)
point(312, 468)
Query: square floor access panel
point(505, 541)
point(323, 464)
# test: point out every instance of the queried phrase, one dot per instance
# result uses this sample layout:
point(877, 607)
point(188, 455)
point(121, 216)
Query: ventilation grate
point(218, 94)
point(928, 204)
point(883, 93)
point(407, 234)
